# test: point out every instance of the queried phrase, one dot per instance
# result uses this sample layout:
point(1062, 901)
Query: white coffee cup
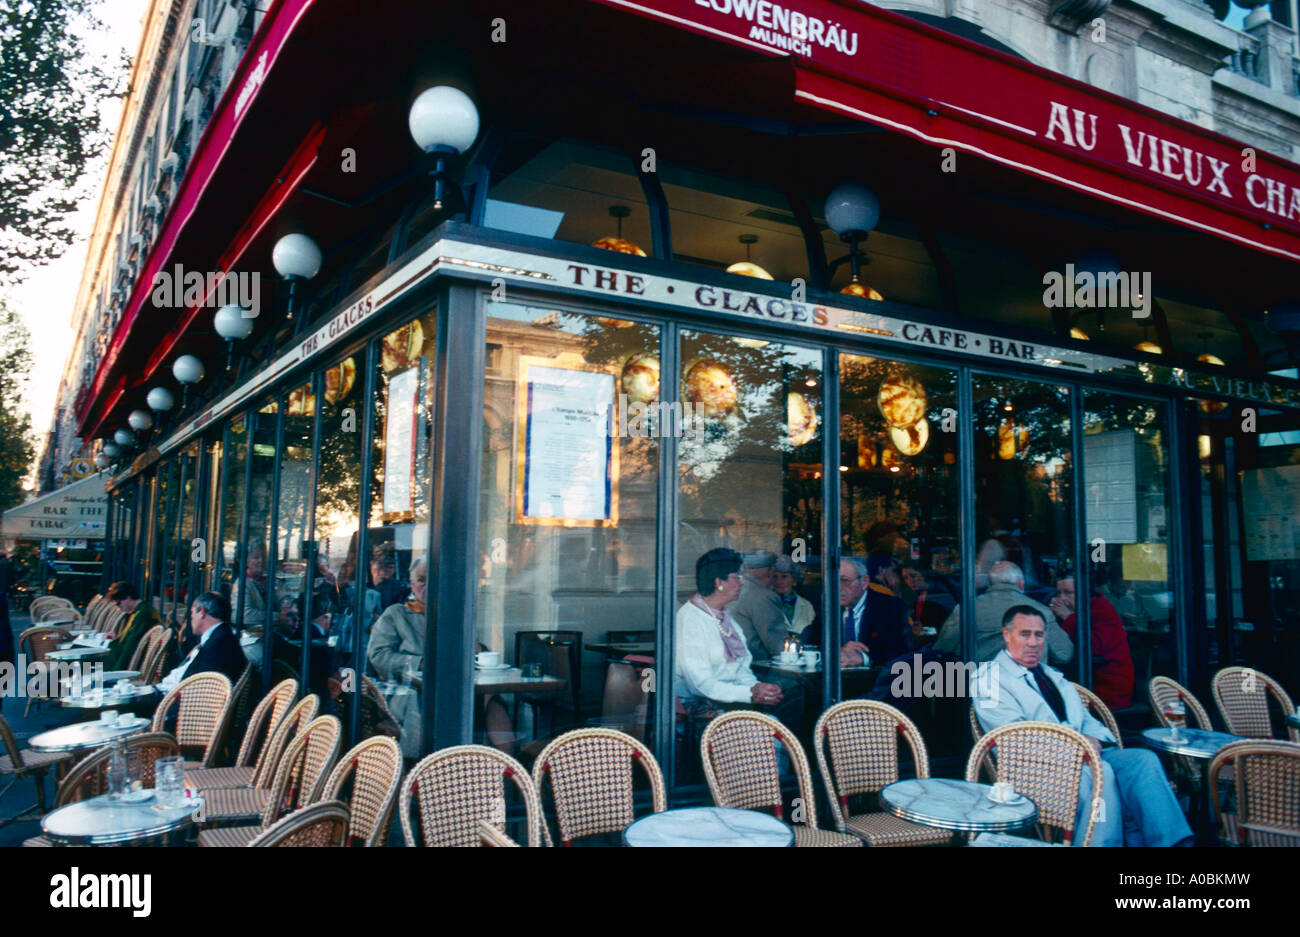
point(122, 686)
point(108, 715)
point(786, 657)
point(488, 658)
point(811, 657)
point(125, 719)
point(1002, 792)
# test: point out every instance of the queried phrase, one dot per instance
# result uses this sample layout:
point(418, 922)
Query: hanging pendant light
point(1210, 407)
point(746, 267)
point(1080, 334)
point(852, 211)
point(617, 243)
point(1146, 345)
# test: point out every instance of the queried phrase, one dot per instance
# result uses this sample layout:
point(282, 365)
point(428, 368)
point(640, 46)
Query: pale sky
point(46, 299)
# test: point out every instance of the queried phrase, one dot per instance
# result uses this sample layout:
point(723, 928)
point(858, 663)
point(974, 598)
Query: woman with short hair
point(396, 648)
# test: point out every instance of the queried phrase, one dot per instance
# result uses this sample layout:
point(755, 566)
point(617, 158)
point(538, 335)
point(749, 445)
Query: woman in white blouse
point(711, 660)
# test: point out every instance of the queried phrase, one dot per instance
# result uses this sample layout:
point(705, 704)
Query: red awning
point(882, 67)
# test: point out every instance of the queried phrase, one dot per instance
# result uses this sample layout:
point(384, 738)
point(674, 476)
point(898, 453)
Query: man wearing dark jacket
point(217, 648)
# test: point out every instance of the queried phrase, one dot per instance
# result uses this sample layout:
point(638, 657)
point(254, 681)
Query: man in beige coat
point(1006, 590)
point(397, 648)
point(758, 610)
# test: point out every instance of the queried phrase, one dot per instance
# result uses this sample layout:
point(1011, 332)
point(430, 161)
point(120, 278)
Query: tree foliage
point(16, 449)
point(50, 128)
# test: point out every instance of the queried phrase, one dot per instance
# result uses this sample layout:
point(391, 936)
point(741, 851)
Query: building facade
point(631, 313)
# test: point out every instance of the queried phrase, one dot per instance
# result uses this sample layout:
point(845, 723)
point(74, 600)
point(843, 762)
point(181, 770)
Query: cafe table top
point(1194, 743)
point(709, 826)
point(104, 821)
point(78, 653)
point(110, 698)
point(950, 804)
point(505, 680)
point(623, 647)
point(84, 735)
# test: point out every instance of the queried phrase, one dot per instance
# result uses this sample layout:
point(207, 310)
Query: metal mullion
point(268, 626)
point(166, 544)
point(665, 716)
point(133, 558)
point(362, 563)
point(241, 545)
point(1082, 566)
point(179, 545)
point(1186, 533)
point(215, 551)
point(966, 474)
point(201, 505)
point(309, 544)
point(108, 565)
point(831, 528)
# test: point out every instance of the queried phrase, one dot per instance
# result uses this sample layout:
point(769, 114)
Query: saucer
point(491, 667)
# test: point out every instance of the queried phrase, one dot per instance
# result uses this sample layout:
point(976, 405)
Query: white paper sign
point(399, 444)
point(567, 463)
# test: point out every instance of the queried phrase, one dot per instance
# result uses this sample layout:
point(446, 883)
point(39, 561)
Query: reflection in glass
point(248, 591)
point(232, 511)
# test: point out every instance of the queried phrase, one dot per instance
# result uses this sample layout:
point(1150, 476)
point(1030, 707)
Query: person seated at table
point(787, 575)
point(1140, 809)
point(396, 652)
point(1006, 590)
point(383, 576)
point(928, 603)
point(757, 611)
point(711, 661)
point(253, 585)
point(217, 648)
point(1112, 662)
point(139, 617)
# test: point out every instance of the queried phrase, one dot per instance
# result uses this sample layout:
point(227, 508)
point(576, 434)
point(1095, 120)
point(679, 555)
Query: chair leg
point(39, 778)
point(28, 710)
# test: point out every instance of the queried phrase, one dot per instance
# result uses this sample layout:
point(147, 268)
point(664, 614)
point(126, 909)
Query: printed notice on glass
point(1271, 502)
point(567, 455)
point(399, 445)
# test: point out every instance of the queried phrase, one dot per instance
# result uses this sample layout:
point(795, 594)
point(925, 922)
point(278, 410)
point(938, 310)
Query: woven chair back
point(266, 717)
point(294, 722)
point(590, 772)
point(489, 835)
point(1162, 690)
point(1242, 697)
point(302, 771)
point(1093, 703)
point(142, 648)
point(89, 777)
point(227, 717)
point(38, 641)
point(1044, 761)
point(322, 824)
point(1267, 781)
point(155, 656)
point(452, 790)
point(740, 763)
point(200, 701)
point(11, 747)
point(857, 744)
point(372, 773)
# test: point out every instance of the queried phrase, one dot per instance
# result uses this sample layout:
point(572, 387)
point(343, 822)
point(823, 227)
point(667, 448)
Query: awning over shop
point(74, 512)
point(885, 68)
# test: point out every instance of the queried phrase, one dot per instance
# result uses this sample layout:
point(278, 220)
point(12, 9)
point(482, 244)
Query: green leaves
point(16, 450)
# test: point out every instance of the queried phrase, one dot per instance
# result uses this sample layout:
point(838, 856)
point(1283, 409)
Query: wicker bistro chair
point(142, 648)
point(323, 824)
point(1242, 697)
point(298, 782)
point(34, 643)
point(200, 702)
point(219, 743)
point(455, 789)
point(1044, 761)
point(262, 723)
point(739, 754)
point(857, 752)
point(590, 771)
point(1093, 704)
point(374, 768)
point(61, 616)
point(44, 603)
point(262, 772)
point(19, 763)
point(155, 655)
point(489, 835)
point(1267, 779)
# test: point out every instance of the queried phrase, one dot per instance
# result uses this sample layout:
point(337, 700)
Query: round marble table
point(1194, 743)
point(708, 826)
point(110, 698)
point(960, 806)
point(103, 821)
point(84, 735)
point(78, 653)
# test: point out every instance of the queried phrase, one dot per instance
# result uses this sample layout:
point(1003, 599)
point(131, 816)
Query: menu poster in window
point(399, 445)
point(1271, 503)
point(568, 462)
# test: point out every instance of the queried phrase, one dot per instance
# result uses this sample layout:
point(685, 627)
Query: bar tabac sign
point(892, 71)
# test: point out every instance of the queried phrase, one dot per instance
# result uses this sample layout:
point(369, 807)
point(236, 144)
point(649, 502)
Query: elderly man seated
point(1140, 809)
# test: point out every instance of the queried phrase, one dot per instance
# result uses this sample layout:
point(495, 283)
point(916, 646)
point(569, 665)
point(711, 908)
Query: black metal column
point(966, 476)
point(665, 715)
point(1082, 546)
point(831, 536)
point(361, 627)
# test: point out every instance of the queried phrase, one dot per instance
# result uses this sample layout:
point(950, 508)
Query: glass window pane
point(1126, 503)
point(749, 482)
point(232, 511)
point(292, 533)
point(398, 536)
point(899, 518)
point(248, 592)
point(566, 527)
point(1023, 510)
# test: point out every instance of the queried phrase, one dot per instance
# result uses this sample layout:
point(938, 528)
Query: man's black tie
point(1049, 691)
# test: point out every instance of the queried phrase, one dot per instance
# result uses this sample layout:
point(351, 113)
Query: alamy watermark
point(1106, 289)
point(178, 288)
point(640, 420)
point(952, 679)
point(47, 679)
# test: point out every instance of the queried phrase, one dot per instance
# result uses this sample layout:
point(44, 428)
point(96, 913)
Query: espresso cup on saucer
point(125, 719)
point(1002, 792)
point(811, 657)
point(488, 658)
point(108, 716)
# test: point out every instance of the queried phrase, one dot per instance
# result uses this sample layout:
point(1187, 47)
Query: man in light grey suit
point(758, 610)
point(1140, 809)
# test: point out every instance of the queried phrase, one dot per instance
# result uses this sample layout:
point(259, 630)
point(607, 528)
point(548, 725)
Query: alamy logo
point(178, 289)
point(1106, 289)
point(104, 890)
point(657, 419)
point(47, 679)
